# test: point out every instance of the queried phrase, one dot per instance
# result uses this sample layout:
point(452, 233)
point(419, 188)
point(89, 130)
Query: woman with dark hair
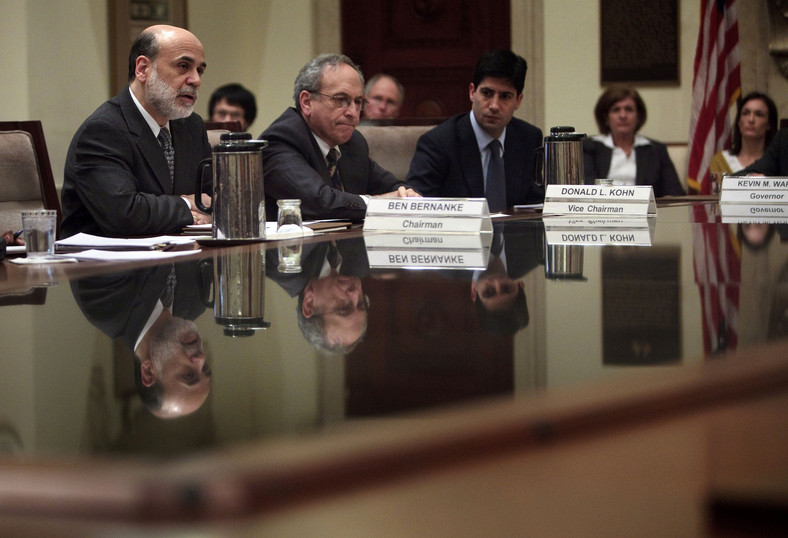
point(624, 156)
point(753, 131)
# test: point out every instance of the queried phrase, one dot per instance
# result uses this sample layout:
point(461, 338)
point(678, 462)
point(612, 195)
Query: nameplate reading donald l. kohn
point(428, 215)
point(598, 200)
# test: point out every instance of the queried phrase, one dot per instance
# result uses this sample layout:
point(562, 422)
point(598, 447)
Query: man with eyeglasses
point(332, 307)
point(385, 95)
point(485, 152)
point(314, 152)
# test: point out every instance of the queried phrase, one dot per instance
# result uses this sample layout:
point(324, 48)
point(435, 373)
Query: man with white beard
point(131, 166)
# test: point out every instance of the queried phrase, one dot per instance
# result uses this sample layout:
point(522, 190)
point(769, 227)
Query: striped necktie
point(333, 172)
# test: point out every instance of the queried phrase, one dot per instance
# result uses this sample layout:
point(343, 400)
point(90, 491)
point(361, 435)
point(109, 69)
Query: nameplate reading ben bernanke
point(428, 215)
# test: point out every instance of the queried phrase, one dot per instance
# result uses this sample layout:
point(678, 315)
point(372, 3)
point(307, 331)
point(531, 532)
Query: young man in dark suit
point(455, 158)
point(314, 152)
point(131, 166)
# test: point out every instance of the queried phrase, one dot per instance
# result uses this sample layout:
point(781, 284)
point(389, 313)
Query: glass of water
point(288, 219)
point(39, 227)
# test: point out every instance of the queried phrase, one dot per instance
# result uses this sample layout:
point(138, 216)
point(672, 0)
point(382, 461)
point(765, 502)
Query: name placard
point(632, 231)
point(754, 190)
point(766, 213)
point(428, 251)
point(591, 200)
point(428, 215)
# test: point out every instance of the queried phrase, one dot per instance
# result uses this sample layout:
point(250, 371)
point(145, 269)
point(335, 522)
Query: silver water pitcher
point(238, 199)
point(238, 292)
point(562, 155)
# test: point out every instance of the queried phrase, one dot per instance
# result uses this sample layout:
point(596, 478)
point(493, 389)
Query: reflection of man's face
point(494, 288)
point(755, 232)
point(340, 301)
point(178, 361)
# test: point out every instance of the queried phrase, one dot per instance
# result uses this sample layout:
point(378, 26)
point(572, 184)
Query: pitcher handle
point(205, 163)
point(539, 170)
point(205, 282)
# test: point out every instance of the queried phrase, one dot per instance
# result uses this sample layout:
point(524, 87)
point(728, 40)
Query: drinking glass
point(39, 228)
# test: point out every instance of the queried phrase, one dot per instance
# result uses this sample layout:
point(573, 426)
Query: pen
point(17, 234)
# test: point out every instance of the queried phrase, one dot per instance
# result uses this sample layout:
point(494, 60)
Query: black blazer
point(774, 161)
point(116, 180)
point(652, 162)
point(447, 162)
point(121, 303)
point(354, 263)
point(294, 167)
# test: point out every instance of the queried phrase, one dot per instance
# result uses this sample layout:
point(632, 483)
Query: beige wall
point(572, 71)
point(263, 43)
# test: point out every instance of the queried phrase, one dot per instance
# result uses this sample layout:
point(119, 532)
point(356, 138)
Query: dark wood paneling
point(430, 46)
point(431, 363)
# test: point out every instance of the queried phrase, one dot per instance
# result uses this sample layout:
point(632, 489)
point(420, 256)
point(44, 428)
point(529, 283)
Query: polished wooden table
point(641, 391)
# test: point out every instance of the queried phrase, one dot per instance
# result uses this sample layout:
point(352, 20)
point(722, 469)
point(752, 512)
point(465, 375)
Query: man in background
point(385, 95)
point(233, 102)
point(315, 153)
point(131, 165)
point(485, 152)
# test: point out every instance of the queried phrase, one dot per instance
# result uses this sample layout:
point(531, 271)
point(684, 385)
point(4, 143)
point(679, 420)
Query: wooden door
point(431, 46)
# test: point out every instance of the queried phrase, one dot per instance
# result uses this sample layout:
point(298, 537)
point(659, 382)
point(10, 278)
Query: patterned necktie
point(169, 152)
point(333, 173)
point(496, 180)
point(333, 256)
point(168, 293)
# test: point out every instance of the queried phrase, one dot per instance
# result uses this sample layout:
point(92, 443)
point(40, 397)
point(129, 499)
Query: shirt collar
point(155, 127)
point(324, 147)
point(607, 140)
point(482, 138)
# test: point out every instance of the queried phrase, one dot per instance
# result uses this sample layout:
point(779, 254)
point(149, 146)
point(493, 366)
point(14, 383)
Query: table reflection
point(332, 307)
point(347, 341)
point(151, 312)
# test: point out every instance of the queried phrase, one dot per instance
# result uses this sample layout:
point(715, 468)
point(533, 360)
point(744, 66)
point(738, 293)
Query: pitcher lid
point(231, 142)
point(564, 133)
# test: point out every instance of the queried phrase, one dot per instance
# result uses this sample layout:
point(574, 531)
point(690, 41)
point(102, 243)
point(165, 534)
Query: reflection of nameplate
point(633, 231)
point(734, 213)
point(428, 251)
point(591, 200)
point(754, 190)
point(428, 215)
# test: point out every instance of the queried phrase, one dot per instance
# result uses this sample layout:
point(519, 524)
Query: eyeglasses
point(344, 101)
point(347, 308)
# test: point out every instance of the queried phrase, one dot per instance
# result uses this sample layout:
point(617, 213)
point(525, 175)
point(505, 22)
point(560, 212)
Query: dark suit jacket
point(652, 162)
point(121, 303)
point(774, 161)
point(447, 162)
point(116, 179)
point(294, 167)
point(354, 263)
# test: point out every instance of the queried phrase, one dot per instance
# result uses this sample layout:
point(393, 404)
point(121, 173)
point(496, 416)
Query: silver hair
point(310, 78)
point(400, 88)
point(314, 332)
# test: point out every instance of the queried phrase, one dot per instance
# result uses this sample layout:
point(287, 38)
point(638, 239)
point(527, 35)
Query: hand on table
point(198, 216)
point(11, 239)
point(401, 192)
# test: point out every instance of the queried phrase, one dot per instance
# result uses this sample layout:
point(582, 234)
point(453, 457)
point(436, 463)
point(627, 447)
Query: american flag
point(716, 85)
point(717, 263)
